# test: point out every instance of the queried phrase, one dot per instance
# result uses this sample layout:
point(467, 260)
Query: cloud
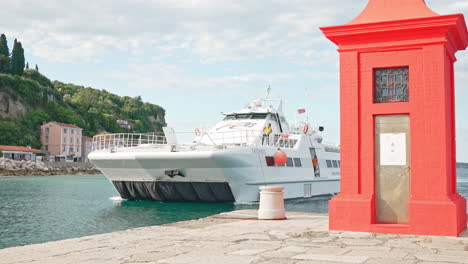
point(209, 30)
point(169, 78)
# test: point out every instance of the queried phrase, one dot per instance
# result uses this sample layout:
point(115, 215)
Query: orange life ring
point(197, 132)
point(305, 129)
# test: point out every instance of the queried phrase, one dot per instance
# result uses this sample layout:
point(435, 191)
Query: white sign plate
point(393, 149)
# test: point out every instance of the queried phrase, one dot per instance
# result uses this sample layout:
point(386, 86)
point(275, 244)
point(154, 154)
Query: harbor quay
point(239, 237)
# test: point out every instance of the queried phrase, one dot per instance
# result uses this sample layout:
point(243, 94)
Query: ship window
point(297, 162)
point(289, 163)
point(332, 149)
point(335, 164)
point(339, 164)
point(270, 161)
point(259, 116)
point(243, 116)
point(273, 117)
point(329, 164)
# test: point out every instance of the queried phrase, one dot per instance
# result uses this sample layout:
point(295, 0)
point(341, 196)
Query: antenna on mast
point(268, 92)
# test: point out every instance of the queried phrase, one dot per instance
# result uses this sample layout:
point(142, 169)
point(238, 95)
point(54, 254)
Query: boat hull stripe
point(167, 191)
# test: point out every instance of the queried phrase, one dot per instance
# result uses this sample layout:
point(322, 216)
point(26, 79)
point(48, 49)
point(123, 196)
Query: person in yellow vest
point(266, 133)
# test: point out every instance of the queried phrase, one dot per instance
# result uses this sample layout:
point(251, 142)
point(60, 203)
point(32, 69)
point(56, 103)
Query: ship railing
point(217, 139)
point(246, 138)
point(127, 140)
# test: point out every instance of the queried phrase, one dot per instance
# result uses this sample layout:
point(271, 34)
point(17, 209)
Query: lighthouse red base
point(415, 49)
point(445, 217)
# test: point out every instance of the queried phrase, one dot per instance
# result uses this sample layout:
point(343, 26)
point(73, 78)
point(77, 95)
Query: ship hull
point(206, 176)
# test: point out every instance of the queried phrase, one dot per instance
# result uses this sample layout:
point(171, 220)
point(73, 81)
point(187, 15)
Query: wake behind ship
point(226, 163)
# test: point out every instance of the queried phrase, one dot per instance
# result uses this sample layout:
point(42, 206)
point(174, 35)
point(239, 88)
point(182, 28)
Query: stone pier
point(237, 237)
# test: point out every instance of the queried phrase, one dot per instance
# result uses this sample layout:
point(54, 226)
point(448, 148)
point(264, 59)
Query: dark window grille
point(391, 85)
point(329, 163)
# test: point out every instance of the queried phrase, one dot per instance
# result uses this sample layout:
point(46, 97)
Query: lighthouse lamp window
point(391, 85)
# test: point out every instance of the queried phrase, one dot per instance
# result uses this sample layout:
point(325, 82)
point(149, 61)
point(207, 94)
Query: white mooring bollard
point(271, 205)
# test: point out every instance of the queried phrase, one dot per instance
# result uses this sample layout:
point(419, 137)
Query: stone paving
point(237, 238)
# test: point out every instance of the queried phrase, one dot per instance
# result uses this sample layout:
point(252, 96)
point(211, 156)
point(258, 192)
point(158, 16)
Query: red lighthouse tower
point(398, 120)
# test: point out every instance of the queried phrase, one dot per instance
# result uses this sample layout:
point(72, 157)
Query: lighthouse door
point(392, 171)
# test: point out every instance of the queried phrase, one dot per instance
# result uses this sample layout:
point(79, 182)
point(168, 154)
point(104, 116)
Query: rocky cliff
point(29, 100)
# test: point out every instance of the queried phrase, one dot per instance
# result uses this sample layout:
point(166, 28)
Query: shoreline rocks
point(9, 167)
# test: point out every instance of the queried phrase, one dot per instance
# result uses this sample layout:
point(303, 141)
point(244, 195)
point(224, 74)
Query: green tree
point(9, 133)
point(4, 55)
point(21, 59)
point(37, 68)
point(4, 64)
point(27, 65)
point(4, 46)
point(15, 58)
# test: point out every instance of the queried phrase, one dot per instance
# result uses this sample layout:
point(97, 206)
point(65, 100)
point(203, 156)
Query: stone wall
point(16, 168)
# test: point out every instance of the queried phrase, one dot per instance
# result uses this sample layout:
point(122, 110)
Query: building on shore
point(19, 152)
point(86, 148)
point(61, 141)
point(125, 124)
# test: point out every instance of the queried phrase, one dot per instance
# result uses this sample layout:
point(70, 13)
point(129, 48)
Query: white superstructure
point(226, 163)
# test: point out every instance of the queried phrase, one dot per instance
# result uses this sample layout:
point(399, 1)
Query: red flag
point(301, 111)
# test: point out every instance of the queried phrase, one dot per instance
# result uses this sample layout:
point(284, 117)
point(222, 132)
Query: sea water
point(47, 208)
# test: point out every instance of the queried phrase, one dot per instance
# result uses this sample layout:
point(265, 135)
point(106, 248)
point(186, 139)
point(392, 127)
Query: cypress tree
point(4, 46)
point(27, 65)
point(37, 68)
point(4, 55)
point(21, 59)
point(15, 58)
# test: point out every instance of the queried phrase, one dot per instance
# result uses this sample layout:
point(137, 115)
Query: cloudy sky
point(197, 58)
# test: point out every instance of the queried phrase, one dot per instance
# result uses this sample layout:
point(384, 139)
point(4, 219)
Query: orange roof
point(86, 138)
point(65, 125)
point(17, 148)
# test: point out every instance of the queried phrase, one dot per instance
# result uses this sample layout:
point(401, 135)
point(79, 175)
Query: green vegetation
point(93, 110)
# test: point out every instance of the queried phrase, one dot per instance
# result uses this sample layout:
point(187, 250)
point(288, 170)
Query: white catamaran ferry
point(226, 163)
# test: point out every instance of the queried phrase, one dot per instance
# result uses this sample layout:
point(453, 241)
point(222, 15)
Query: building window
point(72, 131)
point(47, 139)
point(77, 141)
point(289, 163)
point(329, 164)
point(335, 164)
point(71, 149)
point(391, 85)
point(297, 162)
point(46, 148)
point(270, 161)
point(64, 149)
point(71, 140)
point(77, 149)
point(47, 130)
point(64, 130)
